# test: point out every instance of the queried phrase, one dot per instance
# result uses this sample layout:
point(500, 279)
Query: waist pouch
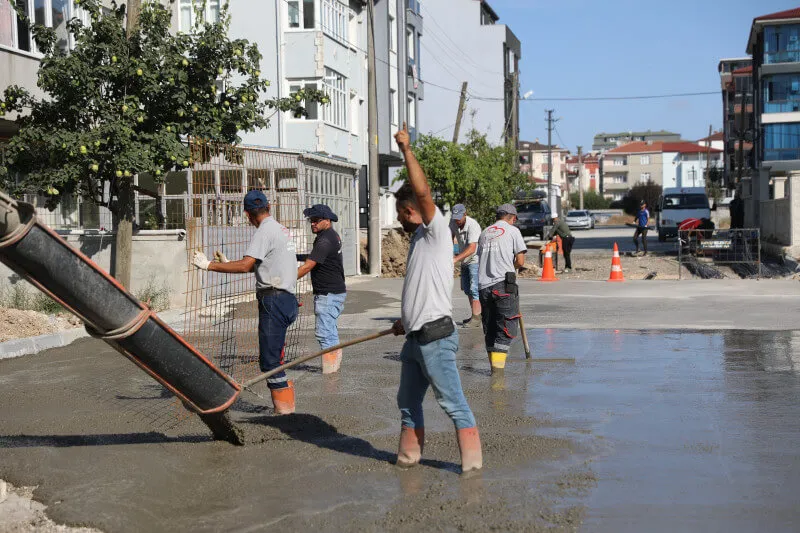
point(435, 330)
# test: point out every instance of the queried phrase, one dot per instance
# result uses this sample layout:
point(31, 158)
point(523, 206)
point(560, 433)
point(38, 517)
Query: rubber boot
point(409, 452)
point(331, 362)
point(283, 399)
point(469, 442)
point(497, 360)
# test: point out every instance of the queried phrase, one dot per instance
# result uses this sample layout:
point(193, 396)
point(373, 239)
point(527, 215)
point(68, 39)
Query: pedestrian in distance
point(467, 231)
point(736, 208)
point(501, 250)
point(642, 221)
point(327, 281)
point(271, 256)
point(428, 357)
point(561, 229)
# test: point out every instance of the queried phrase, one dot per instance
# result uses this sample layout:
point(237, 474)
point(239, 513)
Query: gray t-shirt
point(428, 287)
point(497, 247)
point(465, 236)
point(274, 249)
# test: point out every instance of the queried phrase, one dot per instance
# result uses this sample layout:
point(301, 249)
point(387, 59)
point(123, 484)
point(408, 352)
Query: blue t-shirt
point(643, 217)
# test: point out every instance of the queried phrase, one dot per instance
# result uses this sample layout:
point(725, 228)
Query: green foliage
point(591, 200)
point(475, 174)
point(20, 296)
point(155, 295)
point(117, 106)
point(650, 192)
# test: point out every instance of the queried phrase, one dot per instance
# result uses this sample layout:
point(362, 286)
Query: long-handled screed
point(524, 336)
point(247, 384)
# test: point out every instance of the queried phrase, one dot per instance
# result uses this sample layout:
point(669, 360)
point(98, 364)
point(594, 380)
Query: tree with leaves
point(476, 174)
point(129, 102)
point(650, 192)
point(591, 200)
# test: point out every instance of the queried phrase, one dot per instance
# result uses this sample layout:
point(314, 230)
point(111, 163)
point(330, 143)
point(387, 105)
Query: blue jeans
point(431, 364)
point(469, 280)
point(327, 308)
point(276, 312)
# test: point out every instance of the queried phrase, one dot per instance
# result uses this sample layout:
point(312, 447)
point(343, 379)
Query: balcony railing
point(782, 106)
point(787, 56)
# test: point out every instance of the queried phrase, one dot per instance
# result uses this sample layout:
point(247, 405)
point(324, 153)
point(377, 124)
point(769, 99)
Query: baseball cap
point(255, 200)
point(506, 209)
point(320, 211)
point(458, 212)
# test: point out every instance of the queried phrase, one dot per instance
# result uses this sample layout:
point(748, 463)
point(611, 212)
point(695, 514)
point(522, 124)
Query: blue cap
point(255, 200)
point(320, 211)
point(458, 212)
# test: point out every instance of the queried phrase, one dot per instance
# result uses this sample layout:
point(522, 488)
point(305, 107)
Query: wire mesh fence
point(700, 249)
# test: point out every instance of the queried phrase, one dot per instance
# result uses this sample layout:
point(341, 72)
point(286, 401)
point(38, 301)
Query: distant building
point(685, 164)
point(589, 172)
point(604, 142)
point(533, 162)
point(772, 200)
point(736, 78)
point(468, 42)
point(715, 140)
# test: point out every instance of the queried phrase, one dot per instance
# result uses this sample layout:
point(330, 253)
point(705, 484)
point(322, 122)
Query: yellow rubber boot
point(409, 452)
point(497, 360)
point(283, 400)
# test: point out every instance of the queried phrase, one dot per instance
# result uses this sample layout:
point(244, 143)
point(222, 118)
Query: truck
point(676, 205)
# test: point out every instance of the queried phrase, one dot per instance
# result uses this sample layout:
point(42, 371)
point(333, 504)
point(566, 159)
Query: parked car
point(532, 217)
point(580, 220)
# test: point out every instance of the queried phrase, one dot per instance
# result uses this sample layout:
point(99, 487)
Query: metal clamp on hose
point(124, 331)
point(12, 213)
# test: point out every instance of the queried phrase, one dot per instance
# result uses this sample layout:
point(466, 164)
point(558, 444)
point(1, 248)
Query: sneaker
point(567, 270)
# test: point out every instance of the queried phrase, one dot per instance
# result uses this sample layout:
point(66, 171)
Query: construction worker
point(561, 229)
point(271, 255)
point(467, 231)
point(327, 281)
point(642, 221)
point(428, 356)
point(501, 250)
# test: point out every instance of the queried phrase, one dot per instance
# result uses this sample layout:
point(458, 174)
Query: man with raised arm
point(428, 356)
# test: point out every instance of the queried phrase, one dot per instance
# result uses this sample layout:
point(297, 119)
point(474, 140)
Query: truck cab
point(676, 205)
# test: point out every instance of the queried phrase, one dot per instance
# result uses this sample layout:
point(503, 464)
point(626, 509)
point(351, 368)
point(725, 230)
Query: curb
point(34, 345)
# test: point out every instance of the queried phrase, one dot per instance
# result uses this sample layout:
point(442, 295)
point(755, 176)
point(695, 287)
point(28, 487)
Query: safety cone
point(548, 272)
point(616, 266)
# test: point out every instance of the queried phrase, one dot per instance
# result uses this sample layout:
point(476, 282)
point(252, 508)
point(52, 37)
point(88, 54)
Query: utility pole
point(580, 178)
point(550, 196)
point(374, 230)
point(515, 118)
point(708, 158)
point(462, 102)
point(123, 240)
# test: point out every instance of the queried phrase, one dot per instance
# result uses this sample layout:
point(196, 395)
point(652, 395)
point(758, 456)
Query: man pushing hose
point(428, 356)
point(271, 255)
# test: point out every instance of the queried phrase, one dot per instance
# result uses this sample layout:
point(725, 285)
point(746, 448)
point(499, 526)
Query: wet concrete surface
point(603, 430)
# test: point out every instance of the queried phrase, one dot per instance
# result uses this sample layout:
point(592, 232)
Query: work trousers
point(643, 232)
point(277, 310)
point(566, 249)
point(327, 308)
point(500, 315)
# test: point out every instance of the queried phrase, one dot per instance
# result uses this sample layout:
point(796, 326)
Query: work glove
point(200, 260)
point(220, 257)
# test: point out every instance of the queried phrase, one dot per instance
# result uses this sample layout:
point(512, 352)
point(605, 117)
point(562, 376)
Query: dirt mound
point(394, 251)
point(17, 324)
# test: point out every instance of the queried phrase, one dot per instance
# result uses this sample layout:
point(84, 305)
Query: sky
point(590, 48)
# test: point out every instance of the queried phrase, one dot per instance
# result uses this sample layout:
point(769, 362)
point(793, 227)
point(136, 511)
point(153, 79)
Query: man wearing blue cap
point(271, 255)
point(327, 281)
point(467, 231)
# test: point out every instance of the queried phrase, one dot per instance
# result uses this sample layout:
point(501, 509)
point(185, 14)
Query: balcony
point(782, 154)
point(787, 56)
point(782, 106)
point(413, 6)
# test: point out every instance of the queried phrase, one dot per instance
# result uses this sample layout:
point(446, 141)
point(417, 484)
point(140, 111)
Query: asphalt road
point(601, 240)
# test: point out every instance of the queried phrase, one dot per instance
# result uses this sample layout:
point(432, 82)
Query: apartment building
point(467, 42)
point(772, 190)
point(685, 164)
point(736, 79)
point(604, 142)
point(588, 168)
point(533, 162)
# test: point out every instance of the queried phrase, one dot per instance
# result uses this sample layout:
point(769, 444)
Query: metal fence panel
point(720, 247)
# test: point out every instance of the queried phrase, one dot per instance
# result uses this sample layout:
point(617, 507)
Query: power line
point(598, 98)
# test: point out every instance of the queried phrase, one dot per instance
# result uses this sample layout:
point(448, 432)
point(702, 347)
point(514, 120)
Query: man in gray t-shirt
point(501, 250)
point(467, 231)
point(271, 255)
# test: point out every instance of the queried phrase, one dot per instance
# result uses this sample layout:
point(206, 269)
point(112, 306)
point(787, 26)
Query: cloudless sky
point(577, 48)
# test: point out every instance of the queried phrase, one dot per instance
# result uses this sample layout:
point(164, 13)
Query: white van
point(678, 204)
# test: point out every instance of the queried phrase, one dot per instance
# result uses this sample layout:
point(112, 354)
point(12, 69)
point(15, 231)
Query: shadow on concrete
point(313, 430)
point(104, 439)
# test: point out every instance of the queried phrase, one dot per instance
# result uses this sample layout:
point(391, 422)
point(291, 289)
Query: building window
point(312, 108)
point(645, 177)
point(209, 12)
point(781, 93)
point(619, 179)
point(335, 19)
point(301, 14)
point(412, 113)
point(50, 13)
point(781, 142)
point(782, 44)
point(335, 113)
point(410, 46)
point(619, 162)
point(644, 160)
point(392, 34)
point(393, 107)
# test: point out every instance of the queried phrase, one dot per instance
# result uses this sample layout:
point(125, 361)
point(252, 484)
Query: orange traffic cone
point(616, 267)
point(548, 272)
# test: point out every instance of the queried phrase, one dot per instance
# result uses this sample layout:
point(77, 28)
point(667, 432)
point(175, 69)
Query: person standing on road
point(501, 249)
point(737, 211)
point(561, 229)
point(467, 231)
point(642, 221)
point(271, 255)
point(327, 281)
point(428, 356)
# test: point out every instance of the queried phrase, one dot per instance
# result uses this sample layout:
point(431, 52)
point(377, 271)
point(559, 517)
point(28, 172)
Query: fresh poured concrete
point(621, 427)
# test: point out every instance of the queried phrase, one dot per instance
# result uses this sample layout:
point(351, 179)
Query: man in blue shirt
point(642, 219)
